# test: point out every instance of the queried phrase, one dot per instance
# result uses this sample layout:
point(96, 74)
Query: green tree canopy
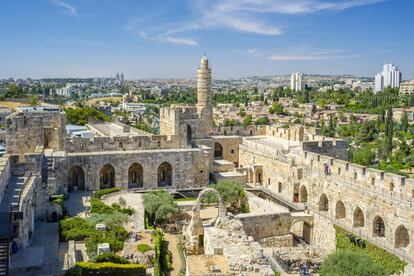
point(159, 206)
point(79, 116)
point(349, 263)
point(232, 193)
point(248, 120)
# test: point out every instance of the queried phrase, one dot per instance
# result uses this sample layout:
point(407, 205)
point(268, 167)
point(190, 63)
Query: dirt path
point(172, 246)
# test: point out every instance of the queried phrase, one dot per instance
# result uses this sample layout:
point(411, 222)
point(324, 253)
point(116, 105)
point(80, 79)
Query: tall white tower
point(296, 82)
point(204, 96)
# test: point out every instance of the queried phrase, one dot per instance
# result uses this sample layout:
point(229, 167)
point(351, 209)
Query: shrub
point(101, 193)
point(143, 247)
point(114, 236)
point(58, 199)
point(354, 263)
point(389, 263)
point(87, 268)
point(76, 229)
point(111, 258)
point(162, 262)
point(97, 206)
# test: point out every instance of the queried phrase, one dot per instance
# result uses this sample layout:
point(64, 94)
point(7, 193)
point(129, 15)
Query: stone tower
point(204, 96)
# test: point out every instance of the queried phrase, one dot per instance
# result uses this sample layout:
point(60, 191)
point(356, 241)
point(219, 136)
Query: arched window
point(378, 227)
point(107, 177)
point(303, 194)
point(402, 239)
point(135, 176)
point(340, 210)
point(218, 150)
point(165, 175)
point(76, 178)
point(359, 220)
point(323, 203)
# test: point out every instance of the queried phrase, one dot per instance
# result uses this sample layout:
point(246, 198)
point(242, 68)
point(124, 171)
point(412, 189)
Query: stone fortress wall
point(376, 204)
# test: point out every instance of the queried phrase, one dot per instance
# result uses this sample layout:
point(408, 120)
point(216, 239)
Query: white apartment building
point(296, 82)
point(389, 77)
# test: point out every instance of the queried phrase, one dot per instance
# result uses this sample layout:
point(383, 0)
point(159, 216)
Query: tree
point(404, 122)
point(248, 120)
point(232, 194)
point(159, 206)
point(388, 131)
point(277, 108)
point(344, 263)
point(262, 121)
point(34, 100)
point(80, 116)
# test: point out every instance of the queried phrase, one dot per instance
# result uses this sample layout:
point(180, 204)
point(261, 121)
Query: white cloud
point(68, 8)
point(182, 41)
point(250, 16)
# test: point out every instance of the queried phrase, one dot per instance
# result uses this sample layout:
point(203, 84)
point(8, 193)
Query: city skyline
point(75, 38)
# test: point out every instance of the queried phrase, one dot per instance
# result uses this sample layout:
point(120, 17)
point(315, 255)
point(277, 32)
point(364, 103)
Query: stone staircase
point(4, 256)
point(48, 172)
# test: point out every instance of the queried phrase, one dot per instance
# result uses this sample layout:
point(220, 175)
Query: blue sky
point(165, 38)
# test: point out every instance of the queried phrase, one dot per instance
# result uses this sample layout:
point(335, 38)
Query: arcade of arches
point(76, 178)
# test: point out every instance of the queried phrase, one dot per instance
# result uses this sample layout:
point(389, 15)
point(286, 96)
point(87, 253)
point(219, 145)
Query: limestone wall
point(4, 174)
point(29, 132)
point(265, 225)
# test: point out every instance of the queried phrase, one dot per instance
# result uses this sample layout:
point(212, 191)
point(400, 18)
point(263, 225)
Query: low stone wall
point(265, 225)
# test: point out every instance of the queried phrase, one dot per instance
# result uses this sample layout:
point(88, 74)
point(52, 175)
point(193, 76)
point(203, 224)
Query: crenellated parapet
point(119, 143)
point(389, 186)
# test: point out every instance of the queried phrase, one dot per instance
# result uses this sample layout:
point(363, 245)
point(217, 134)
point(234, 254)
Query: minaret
point(204, 96)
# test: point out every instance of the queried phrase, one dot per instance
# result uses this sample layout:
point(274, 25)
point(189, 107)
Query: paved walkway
point(46, 236)
point(74, 203)
point(133, 200)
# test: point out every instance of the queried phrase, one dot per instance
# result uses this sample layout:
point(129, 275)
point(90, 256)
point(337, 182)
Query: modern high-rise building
point(389, 77)
point(296, 82)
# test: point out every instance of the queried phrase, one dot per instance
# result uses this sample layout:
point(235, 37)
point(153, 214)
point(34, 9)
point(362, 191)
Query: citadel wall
point(302, 176)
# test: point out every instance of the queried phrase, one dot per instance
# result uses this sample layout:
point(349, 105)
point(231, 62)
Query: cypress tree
point(404, 122)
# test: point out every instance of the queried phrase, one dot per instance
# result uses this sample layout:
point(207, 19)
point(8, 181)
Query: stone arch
point(303, 194)
point(135, 176)
point(402, 238)
point(222, 207)
point(259, 176)
point(165, 173)
point(340, 210)
point(76, 178)
point(107, 177)
point(378, 227)
point(359, 220)
point(323, 203)
point(218, 150)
